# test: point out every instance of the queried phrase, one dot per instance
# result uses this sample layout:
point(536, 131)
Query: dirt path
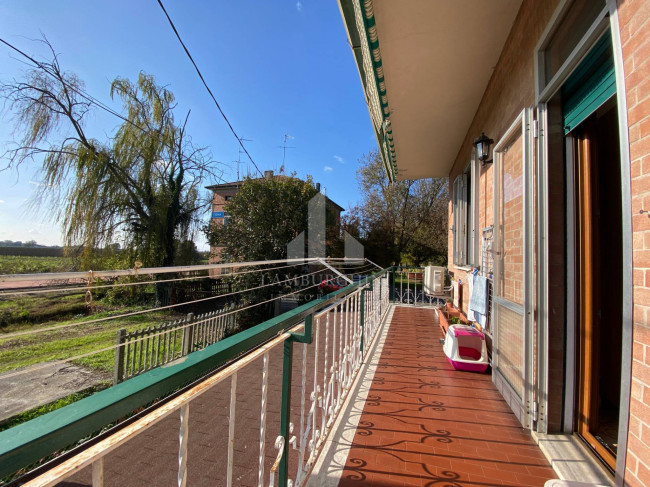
point(43, 385)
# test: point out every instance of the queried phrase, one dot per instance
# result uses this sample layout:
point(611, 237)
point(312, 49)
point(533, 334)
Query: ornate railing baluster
point(183, 439)
point(340, 361)
point(326, 382)
point(231, 429)
point(265, 383)
point(98, 472)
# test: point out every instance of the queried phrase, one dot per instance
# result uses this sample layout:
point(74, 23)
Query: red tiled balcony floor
point(424, 423)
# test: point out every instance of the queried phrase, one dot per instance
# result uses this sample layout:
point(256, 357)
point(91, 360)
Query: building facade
point(557, 214)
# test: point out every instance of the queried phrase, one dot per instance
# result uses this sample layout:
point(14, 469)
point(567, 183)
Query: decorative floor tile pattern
point(426, 424)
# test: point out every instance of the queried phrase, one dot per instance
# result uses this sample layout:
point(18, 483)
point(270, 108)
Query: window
point(574, 27)
point(228, 198)
point(465, 216)
point(577, 20)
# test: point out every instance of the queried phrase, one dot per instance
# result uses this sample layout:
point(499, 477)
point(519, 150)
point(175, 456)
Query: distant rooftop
point(267, 175)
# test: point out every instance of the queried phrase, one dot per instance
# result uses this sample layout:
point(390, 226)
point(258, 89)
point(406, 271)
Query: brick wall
point(513, 222)
point(634, 20)
point(510, 90)
point(486, 193)
point(219, 199)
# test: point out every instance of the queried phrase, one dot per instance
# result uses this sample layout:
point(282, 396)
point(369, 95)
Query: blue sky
point(276, 67)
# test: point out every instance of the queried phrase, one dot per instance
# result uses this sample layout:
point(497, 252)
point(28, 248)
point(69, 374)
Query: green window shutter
point(591, 84)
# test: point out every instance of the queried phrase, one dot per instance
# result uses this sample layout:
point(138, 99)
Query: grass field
point(13, 264)
point(22, 313)
point(30, 313)
point(46, 408)
point(30, 349)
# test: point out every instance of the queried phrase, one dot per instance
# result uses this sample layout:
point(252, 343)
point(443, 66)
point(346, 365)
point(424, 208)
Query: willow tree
point(142, 183)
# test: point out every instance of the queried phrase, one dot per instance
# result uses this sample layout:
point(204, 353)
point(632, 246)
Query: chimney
point(268, 174)
point(318, 187)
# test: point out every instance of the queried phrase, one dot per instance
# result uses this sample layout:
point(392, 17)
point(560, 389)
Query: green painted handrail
point(27, 443)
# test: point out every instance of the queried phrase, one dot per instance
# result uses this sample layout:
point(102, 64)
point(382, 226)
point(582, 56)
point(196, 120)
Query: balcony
point(424, 423)
point(349, 389)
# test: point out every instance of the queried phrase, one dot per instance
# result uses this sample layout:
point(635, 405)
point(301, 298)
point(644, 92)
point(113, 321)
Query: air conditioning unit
point(434, 280)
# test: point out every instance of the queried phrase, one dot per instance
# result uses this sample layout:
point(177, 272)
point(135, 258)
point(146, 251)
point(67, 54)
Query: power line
point(18, 372)
point(83, 289)
point(151, 310)
point(206, 85)
point(81, 93)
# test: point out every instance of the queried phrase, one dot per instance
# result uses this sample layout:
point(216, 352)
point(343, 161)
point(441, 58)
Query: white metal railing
point(341, 355)
point(94, 455)
point(147, 348)
point(408, 288)
point(334, 341)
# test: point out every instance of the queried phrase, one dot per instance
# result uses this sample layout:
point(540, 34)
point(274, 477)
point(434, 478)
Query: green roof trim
point(386, 132)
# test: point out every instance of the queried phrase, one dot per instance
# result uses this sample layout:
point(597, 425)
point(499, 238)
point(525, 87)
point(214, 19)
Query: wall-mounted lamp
point(482, 145)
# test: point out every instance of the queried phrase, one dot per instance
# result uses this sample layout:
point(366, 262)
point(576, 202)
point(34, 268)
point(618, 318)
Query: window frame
point(544, 89)
point(465, 215)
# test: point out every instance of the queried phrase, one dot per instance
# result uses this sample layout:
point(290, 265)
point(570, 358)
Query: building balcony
point(414, 420)
point(351, 389)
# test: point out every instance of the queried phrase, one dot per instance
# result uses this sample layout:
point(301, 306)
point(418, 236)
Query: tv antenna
point(238, 161)
point(284, 148)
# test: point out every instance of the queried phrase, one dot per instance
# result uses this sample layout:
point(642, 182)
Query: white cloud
point(328, 168)
point(299, 6)
point(339, 158)
point(2, 201)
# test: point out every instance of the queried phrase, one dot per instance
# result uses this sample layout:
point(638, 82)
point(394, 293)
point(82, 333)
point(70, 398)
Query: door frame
point(611, 22)
point(523, 125)
point(628, 265)
point(572, 279)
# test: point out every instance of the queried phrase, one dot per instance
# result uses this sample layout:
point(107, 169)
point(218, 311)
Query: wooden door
point(599, 299)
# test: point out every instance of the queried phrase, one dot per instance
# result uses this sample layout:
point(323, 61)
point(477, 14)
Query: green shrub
point(129, 295)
